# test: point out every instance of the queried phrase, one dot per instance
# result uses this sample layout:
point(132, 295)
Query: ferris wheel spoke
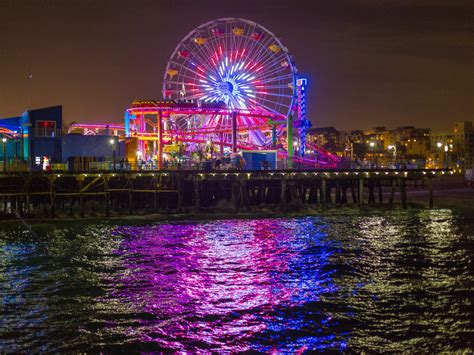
point(206, 52)
point(273, 64)
point(201, 62)
point(202, 57)
point(270, 102)
point(276, 87)
point(271, 70)
point(262, 54)
point(187, 69)
point(273, 77)
point(259, 105)
point(260, 50)
point(251, 30)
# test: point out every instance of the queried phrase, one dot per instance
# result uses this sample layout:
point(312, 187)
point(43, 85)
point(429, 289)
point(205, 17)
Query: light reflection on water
point(347, 280)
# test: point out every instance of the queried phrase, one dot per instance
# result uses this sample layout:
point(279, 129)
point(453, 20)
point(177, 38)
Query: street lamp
point(394, 147)
point(372, 146)
point(112, 143)
point(4, 141)
point(446, 148)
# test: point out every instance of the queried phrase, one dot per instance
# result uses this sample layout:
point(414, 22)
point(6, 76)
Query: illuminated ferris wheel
point(234, 61)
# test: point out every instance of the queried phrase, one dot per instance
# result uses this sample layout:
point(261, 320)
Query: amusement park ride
point(230, 83)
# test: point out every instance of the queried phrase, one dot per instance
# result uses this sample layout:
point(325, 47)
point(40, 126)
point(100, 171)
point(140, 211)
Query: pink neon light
point(243, 51)
point(259, 68)
point(201, 69)
point(220, 49)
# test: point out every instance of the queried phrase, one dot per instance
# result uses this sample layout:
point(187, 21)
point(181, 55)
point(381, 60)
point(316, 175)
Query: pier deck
point(87, 193)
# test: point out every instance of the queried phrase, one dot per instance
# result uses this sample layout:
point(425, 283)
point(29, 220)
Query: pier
point(106, 193)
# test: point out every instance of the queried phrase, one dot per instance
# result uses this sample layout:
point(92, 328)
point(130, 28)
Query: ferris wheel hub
point(226, 88)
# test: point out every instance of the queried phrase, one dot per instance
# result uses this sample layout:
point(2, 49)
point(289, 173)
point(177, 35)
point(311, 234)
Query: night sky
point(369, 63)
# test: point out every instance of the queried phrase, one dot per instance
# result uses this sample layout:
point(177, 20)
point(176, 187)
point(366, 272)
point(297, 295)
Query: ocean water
point(346, 280)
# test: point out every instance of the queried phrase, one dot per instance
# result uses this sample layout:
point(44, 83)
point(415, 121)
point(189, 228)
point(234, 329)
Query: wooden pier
point(106, 193)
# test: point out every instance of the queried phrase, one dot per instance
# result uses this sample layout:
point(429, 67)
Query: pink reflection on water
point(209, 285)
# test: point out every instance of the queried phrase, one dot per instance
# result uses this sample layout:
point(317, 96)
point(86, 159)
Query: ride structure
point(229, 85)
point(230, 82)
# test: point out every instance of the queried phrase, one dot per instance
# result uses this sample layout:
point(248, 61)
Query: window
point(45, 129)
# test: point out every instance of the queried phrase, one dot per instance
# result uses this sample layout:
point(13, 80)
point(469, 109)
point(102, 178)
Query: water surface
point(347, 280)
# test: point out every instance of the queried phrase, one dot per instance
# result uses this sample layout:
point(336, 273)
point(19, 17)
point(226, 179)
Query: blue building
point(33, 136)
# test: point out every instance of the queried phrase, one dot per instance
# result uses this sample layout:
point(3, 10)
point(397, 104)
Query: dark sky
point(378, 62)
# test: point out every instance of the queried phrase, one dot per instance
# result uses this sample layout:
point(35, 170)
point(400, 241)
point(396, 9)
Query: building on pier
point(33, 137)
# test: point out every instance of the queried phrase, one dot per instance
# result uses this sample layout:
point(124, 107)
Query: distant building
point(326, 137)
point(414, 142)
point(454, 148)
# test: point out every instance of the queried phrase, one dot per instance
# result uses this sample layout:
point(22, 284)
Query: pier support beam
point(323, 192)
point(196, 196)
point(380, 192)
point(338, 192)
point(130, 197)
point(431, 193)
point(107, 196)
point(403, 192)
point(361, 191)
point(392, 192)
point(52, 197)
point(283, 192)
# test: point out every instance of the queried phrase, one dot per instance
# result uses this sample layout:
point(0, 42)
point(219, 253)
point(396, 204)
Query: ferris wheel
point(234, 61)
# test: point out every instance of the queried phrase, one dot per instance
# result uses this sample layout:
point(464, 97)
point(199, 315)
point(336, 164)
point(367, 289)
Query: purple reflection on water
point(227, 285)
